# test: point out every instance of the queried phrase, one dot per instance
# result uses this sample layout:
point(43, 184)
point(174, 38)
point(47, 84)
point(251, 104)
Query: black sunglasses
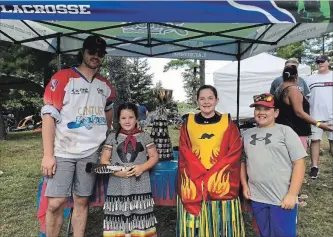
point(93, 52)
point(318, 62)
point(292, 66)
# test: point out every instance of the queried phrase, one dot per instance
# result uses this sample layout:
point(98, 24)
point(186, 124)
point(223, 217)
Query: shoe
point(314, 173)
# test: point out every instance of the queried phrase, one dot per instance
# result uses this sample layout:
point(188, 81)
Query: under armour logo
point(266, 139)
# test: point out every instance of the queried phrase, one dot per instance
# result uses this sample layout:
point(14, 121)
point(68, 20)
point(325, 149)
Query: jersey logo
point(87, 122)
point(207, 136)
point(266, 139)
point(54, 84)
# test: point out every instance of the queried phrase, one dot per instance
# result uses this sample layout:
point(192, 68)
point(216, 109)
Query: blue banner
point(231, 11)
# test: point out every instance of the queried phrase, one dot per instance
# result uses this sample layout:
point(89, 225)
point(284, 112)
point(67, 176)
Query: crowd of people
point(307, 105)
point(266, 164)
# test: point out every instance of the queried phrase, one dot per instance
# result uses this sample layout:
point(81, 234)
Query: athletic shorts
point(273, 221)
point(71, 174)
point(317, 133)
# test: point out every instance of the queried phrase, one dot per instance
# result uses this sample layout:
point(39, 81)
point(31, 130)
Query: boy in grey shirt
point(272, 170)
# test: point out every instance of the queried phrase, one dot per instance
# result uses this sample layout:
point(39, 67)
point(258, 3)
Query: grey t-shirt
point(301, 84)
point(269, 154)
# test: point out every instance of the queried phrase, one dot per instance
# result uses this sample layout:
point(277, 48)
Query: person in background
point(301, 84)
point(321, 109)
point(294, 107)
point(76, 117)
point(143, 113)
point(272, 170)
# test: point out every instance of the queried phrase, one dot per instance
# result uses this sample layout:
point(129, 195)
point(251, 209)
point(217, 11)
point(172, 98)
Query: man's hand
point(326, 127)
point(288, 202)
point(48, 166)
point(246, 192)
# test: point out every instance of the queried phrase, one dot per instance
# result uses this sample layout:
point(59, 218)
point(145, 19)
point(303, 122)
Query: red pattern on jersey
point(55, 89)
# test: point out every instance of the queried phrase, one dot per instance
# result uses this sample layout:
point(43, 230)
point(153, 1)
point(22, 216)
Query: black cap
point(322, 58)
point(289, 73)
point(94, 42)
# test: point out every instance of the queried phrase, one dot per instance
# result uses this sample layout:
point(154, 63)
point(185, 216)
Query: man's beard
point(86, 62)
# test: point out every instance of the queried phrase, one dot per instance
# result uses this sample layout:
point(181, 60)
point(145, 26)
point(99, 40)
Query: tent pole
point(238, 79)
point(58, 61)
point(58, 54)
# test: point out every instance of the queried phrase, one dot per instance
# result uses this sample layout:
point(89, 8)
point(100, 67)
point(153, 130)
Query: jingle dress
point(209, 178)
point(128, 209)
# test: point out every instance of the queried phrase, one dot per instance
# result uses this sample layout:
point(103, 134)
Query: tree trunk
point(3, 133)
point(202, 73)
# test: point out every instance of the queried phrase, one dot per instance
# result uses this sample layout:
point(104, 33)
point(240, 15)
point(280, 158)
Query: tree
point(130, 80)
point(118, 74)
point(2, 127)
point(317, 46)
point(295, 50)
point(22, 103)
point(140, 81)
point(158, 85)
point(32, 64)
point(190, 76)
point(306, 51)
point(202, 72)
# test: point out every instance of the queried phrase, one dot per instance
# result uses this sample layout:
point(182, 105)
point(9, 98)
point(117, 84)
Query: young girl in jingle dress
point(128, 209)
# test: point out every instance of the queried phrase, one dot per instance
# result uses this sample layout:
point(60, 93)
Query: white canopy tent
point(256, 74)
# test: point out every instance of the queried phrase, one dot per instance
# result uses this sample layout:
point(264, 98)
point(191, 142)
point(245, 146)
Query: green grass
point(20, 158)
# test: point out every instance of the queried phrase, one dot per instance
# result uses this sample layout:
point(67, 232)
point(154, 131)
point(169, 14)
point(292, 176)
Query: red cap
point(265, 99)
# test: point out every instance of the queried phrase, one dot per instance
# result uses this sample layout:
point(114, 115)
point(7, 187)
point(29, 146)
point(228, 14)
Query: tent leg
point(59, 61)
point(58, 54)
point(238, 80)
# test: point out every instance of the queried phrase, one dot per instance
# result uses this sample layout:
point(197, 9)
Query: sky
point(173, 80)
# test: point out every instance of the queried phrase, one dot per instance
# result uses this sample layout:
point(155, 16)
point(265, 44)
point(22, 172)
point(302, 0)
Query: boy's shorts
point(72, 173)
point(317, 133)
point(273, 221)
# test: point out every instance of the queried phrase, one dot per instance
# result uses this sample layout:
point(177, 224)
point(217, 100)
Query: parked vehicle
point(27, 124)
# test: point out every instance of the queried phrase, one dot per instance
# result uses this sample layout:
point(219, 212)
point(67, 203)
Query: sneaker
point(314, 173)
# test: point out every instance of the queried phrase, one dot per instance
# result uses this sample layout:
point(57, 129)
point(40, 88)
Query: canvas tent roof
point(227, 30)
point(257, 74)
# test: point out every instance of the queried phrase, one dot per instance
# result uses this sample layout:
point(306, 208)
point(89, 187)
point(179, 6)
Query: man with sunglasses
point(301, 84)
point(321, 109)
point(76, 117)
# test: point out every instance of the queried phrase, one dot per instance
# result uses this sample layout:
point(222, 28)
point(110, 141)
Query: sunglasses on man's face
point(93, 52)
point(292, 66)
point(319, 62)
point(262, 97)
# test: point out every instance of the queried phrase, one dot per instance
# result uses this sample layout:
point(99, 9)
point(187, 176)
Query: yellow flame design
point(188, 189)
point(219, 182)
